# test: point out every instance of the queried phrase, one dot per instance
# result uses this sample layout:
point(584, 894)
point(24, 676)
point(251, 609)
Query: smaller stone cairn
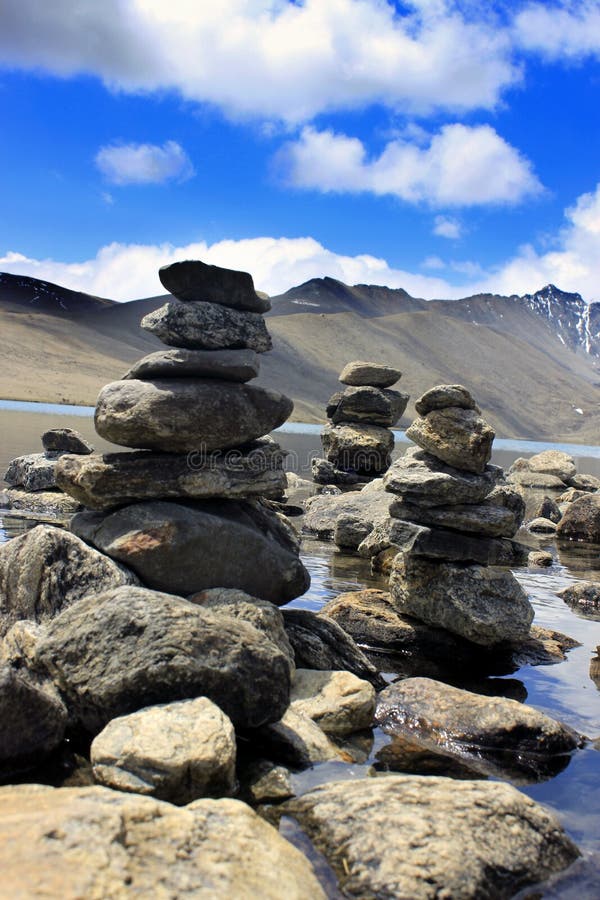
point(358, 442)
point(453, 520)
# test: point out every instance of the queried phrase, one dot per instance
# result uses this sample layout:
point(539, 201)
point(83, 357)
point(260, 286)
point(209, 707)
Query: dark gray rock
point(180, 415)
point(504, 496)
point(183, 548)
point(193, 279)
point(226, 365)
point(324, 472)
point(101, 482)
point(33, 472)
point(426, 837)
point(481, 519)
point(365, 449)
point(119, 651)
point(350, 531)
point(369, 405)
point(459, 437)
point(537, 480)
point(361, 373)
point(66, 440)
point(582, 482)
point(296, 741)
point(420, 478)
point(47, 569)
point(581, 521)
point(484, 605)
point(444, 395)
point(547, 509)
point(208, 326)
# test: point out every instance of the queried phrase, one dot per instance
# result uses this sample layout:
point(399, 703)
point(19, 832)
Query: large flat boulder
point(194, 280)
point(370, 405)
point(183, 548)
point(226, 365)
point(101, 482)
point(97, 843)
point(426, 837)
point(459, 437)
point(119, 651)
point(365, 449)
point(420, 478)
point(48, 569)
point(482, 519)
point(323, 511)
point(484, 605)
point(208, 326)
point(581, 520)
point(180, 415)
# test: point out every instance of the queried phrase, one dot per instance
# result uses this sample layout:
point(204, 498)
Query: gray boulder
point(226, 365)
point(42, 506)
point(553, 462)
point(459, 437)
point(372, 374)
point(208, 326)
point(101, 482)
point(482, 519)
point(324, 472)
point(65, 440)
point(296, 741)
point(33, 472)
point(96, 843)
point(370, 405)
point(443, 396)
point(583, 596)
point(419, 477)
point(46, 570)
point(427, 837)
point(537, 480)
point(547, 509)
point(583, 482)
point(173, 751)
point(323, 511)
point(484, 605)
point(181, 415)
point(365, 449)
point(119, 651)
point(192, 279)
point(339, 702)
point(581, 521)
point(183, 548)
point(350, 531)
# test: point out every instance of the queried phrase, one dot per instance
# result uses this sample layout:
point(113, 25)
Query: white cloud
point(559, 30)
point(447, 228)
point(271, 58)
point(462, 166)
point(433, 262)
point(144, 163)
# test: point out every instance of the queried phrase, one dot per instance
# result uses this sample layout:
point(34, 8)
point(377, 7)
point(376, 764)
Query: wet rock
point(226, 365)
point(324, 472)
point(177, 752)
point(102, 482)
point(547, 509)
point(296, 740)
point(484, 605)
point(365, 449)
point(185, 548)
point(443, 396)
point(459, 437)
point(583, 596)
point(339, 702)
point(65, 440)
point(553, 462)
point(319, 643)
point(428, 837)
point(323, 512)
point(581, 521)
point(194, 280)
point(483, 519)
point(43, 506)
point(33, 720)
point(94, 842)
point(265, 782)
point(420, 478)
point(412, 757)
point(180, 415)
point(119, 651)
point(46, 570)
point(34, 472)
point(595, 677)
point(350, 531)
point(366, 373)
point(542, 647)
point(582, 482)
point(539, 558)
point(370, 405)
point(208, 326)
point(541, 526)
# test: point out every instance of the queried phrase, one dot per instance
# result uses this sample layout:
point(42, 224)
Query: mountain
point(533, 362)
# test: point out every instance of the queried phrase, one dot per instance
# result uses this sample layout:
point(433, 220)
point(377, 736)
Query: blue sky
point(443, 147)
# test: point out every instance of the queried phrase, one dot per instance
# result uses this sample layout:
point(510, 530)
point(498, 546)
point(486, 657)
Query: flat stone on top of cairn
point(361, 373)
point(194, 280)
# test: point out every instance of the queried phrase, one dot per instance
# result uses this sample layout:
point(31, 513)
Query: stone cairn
point(185, 510)
point(452, 521)
point(358, 442)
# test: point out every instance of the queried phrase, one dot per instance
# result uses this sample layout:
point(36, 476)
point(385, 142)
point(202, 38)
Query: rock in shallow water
point(226, 365)
point(97, 843)
point(183, 548)
point(425, 838)
point(338, 701)
point(581, 521)
point(192, 279)
point(208, 326)
point(459, 437)
point(180, 415)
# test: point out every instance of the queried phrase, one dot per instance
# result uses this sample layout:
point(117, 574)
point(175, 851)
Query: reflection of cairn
point(358, 443)
point(200, 425)
point(452, 521)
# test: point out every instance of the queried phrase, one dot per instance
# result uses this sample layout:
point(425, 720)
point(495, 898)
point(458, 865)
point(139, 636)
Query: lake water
point(566, 690)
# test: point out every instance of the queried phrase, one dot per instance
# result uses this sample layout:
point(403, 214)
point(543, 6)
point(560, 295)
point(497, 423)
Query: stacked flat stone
point(183, 510)
point(453, 520)
point(358, 442)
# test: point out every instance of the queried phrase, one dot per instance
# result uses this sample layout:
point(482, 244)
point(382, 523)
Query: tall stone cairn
point(358, 442)
point(453, 518)
point(185, 510)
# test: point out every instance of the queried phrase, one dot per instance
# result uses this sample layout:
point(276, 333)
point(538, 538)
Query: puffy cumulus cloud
point(447, 228)
point(569, 29)
point(462, 166)
point(144, 163)
point(272, 59)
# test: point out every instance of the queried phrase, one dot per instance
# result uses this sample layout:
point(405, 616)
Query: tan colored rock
point(443, 396)
point(339, 702)
point(459, 437)
point(371, 374)
point(297, 741)
point(553, 462)
point(365, 449)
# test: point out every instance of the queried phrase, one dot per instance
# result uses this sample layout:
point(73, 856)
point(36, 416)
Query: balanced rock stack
point(358, 443)
point(452, 521)
point(184, 510)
